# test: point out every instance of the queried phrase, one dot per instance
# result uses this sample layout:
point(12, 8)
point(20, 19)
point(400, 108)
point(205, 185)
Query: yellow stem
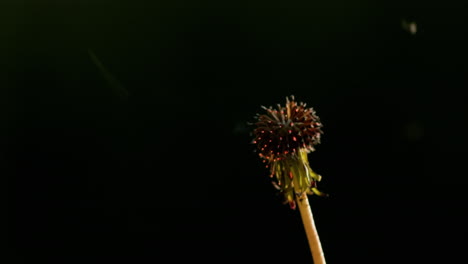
point(311, 231)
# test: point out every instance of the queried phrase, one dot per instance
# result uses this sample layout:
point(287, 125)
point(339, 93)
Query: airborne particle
point(409, 26)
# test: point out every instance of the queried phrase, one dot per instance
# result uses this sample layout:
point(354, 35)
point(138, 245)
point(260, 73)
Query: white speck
point(409, 26)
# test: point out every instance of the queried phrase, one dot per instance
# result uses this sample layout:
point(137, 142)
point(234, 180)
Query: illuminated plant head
point(283, 137)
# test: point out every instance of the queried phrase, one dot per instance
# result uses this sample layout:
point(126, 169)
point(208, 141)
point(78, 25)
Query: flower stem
point(311, 231)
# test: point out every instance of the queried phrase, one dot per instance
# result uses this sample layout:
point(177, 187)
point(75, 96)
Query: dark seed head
point(291, 127)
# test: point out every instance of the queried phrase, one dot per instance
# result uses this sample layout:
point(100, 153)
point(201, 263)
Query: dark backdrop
point(166, 173)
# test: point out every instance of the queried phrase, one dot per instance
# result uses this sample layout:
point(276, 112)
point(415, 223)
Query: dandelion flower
point(283, 138)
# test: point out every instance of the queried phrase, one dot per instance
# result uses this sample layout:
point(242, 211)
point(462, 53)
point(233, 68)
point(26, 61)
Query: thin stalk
point(311, 230)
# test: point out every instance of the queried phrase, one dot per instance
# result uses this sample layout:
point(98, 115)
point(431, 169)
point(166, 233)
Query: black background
point(167, 174)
